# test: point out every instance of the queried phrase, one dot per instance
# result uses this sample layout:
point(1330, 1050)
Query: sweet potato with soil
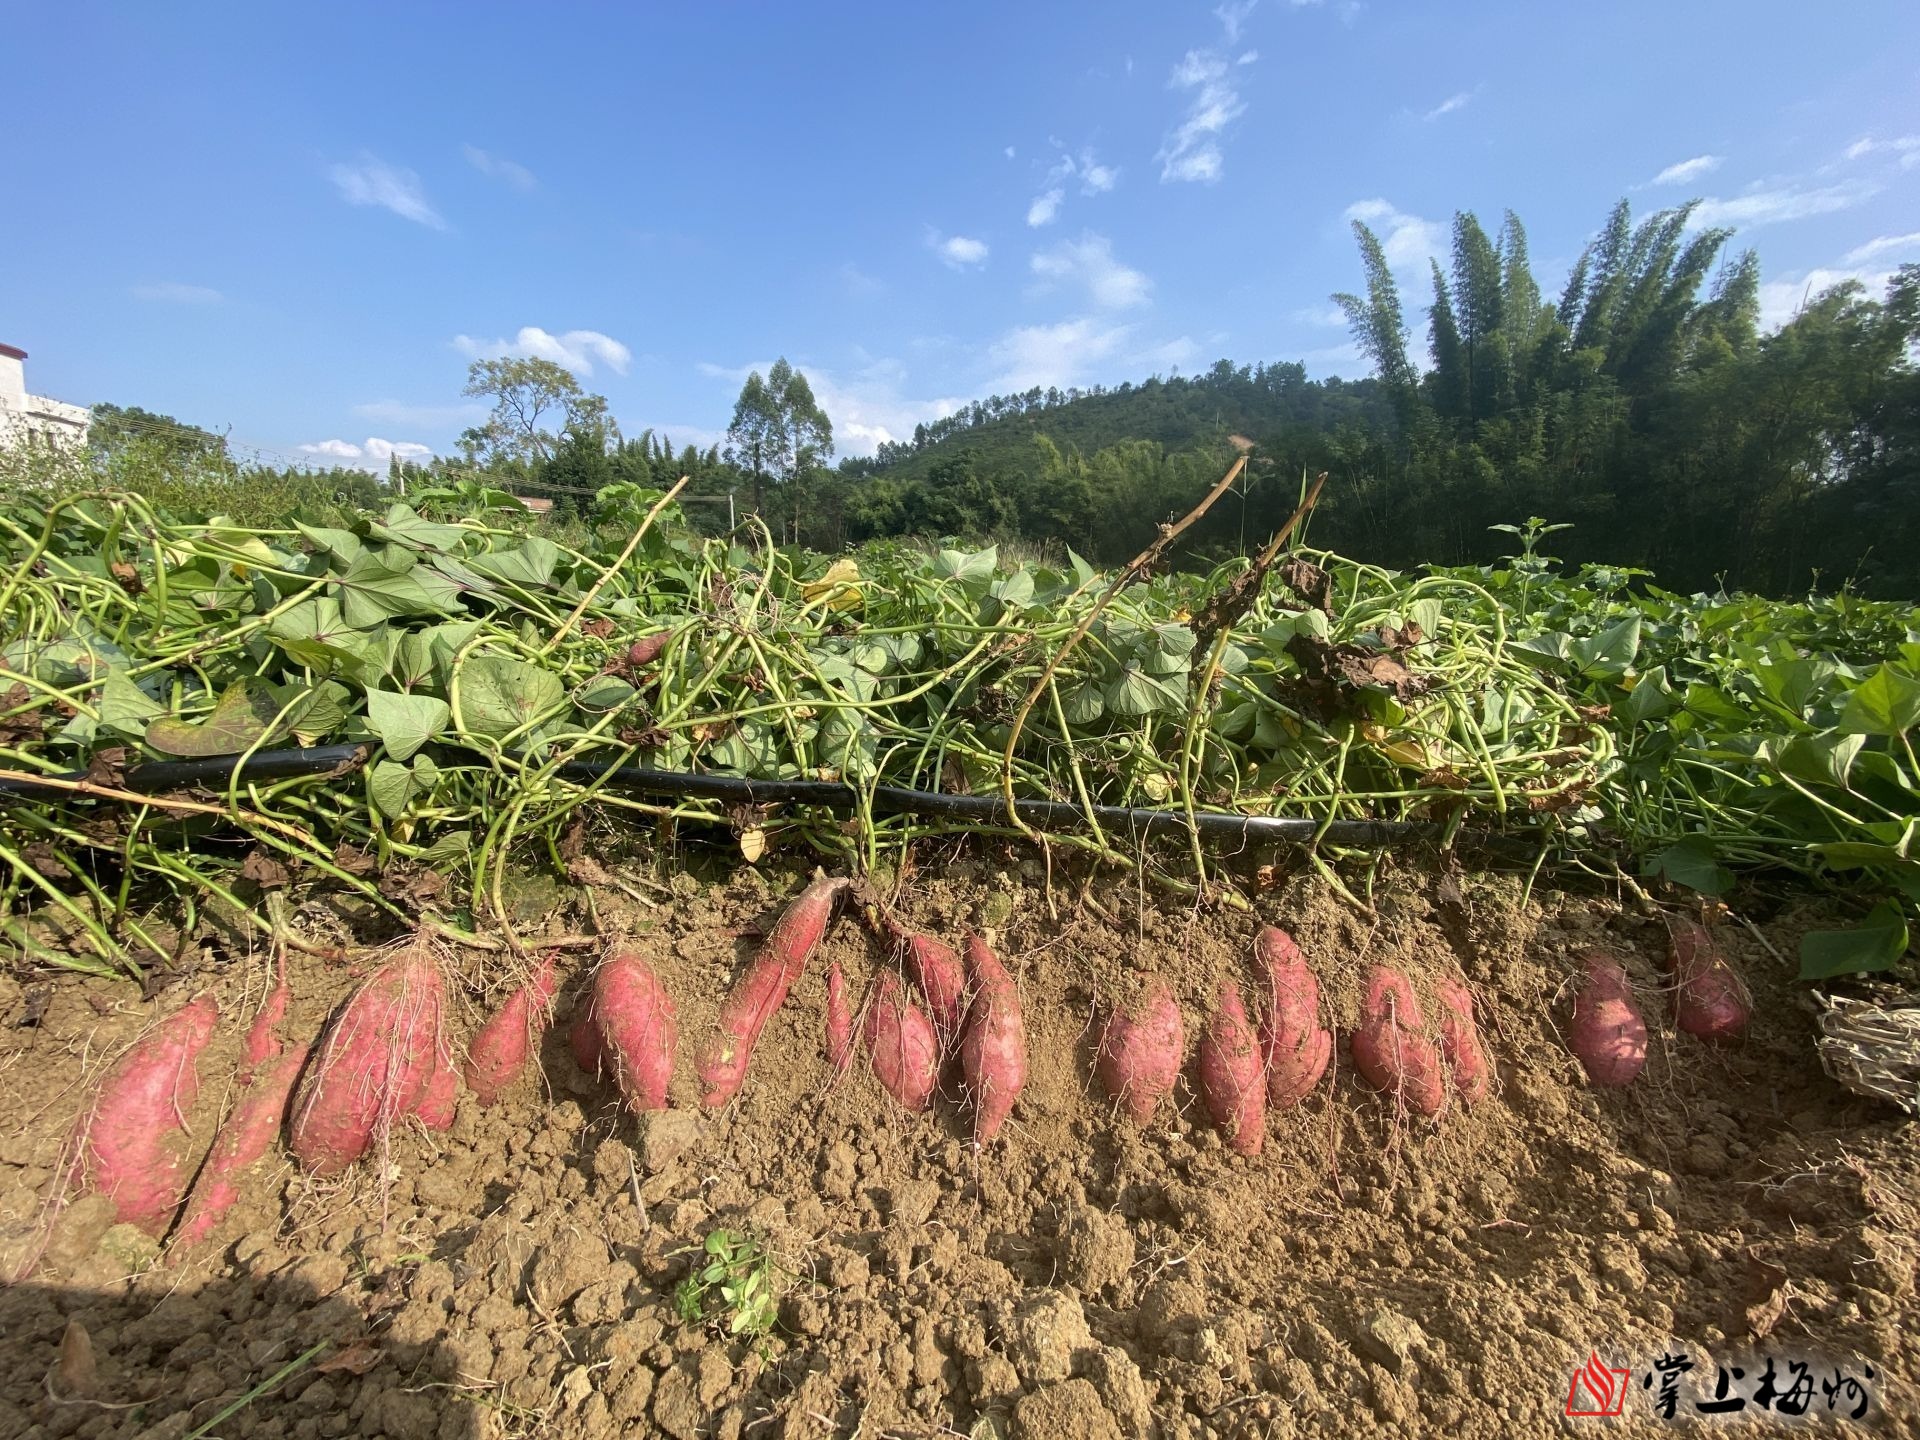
point(723, 1059)
point(936, 969)
point(1460, 1047)
point(839, 1021)
point(1608, 1036)
point(636, 1028)
point(901, 1043)
point(374, 1065)
point(129, 1139)
point(1233, 1079)
point(501, 1046)
point(263, 1038)
point(1140, 1051)
point(1390, 1047)
point(246, 1136)
point(1297, 1046)
point(1710, 1001)
point(435, 1107)
point(993, 1042)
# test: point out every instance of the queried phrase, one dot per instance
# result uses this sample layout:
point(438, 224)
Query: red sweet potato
point(839, 1021)
point(1296, 1044)
point(1609, 1036)
point(1709, 999)
point(129, 1139)
point(501, 1047)
point(1233, 1081)
point(722, 1061)
point(637, 1029)
point(246, 1136)
point(936, 969)
point(263, 1038)
point(435, 1107)
point(1460, 1046)
point(583, 1039)
point(1140, 1053)
point(374, 1065)
point(993, 1042)
point(1390, 1048)
point(901, 1043)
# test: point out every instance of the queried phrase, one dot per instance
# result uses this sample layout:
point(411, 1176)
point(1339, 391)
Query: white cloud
point(1454, 102)
point(1089, 261)
point(1685, 170)
point(958, 252)
point(1407, 240)
point(1045, 207)
point(1047, 355)
point(1233, 16)
point(1011, 152)
point(1247, 57)
point(1770, 207)
point(172, 292)
point(1325, 316)
point(1094, 177)
point(1904, 148)
point(1884, 245)
point(1192, 150)
point(424, 417)
point(859, 283)
point(1782, 299)
point(500, 168)
point(376, 454)
point(577, 350)
point(371, 181)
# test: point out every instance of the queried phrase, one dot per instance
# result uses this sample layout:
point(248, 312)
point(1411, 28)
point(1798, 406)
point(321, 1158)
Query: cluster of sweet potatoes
point(1608, 1033)
point(385, 1056)
point(1245, 1065)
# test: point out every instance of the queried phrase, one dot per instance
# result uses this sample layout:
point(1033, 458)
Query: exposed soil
point(1370, 1272)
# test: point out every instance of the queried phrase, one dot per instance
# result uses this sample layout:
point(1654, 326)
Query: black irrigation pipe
point(217, 771)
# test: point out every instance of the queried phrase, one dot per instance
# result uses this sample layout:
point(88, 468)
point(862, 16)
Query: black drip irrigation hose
point(219, 771)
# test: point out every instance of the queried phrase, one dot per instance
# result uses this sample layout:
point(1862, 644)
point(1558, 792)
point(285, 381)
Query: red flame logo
point(1596, 1391)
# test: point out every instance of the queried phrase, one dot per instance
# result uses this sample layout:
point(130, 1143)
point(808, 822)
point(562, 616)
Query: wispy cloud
point(1093, 177)
point(1192, 151)
point(1011, 152)
point(423, 417)
point(172, 292)
point(500, 168)
point(374, 454)
point(1325, 316)
point(859, 283)
point(1233, 18)
point(1904, 148)
point(958, 252)
point(1046, 355)
point(1884, 245)
point(371, 181)
point(576, 350)
point(1782, 299)
point(1782, 203)
point(1407, 240)
point(1447, 106)
point(1089, 261)
point(1683, 171)
point(1045, 207)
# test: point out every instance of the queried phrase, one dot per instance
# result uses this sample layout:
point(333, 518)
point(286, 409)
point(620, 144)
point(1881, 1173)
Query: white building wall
point(28, 419)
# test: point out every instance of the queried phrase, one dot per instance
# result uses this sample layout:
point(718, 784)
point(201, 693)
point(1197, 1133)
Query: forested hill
point(1646, 407)
point(1180, 413)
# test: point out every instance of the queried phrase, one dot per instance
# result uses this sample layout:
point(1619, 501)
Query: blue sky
point(299, 223)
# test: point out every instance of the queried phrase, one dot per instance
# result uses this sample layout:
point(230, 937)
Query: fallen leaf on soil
point(265, 871)
point(357, 1359)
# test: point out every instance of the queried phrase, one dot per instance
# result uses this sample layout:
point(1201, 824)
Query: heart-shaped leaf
point(500, 695)
point(243, 717)
point(405, 722)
